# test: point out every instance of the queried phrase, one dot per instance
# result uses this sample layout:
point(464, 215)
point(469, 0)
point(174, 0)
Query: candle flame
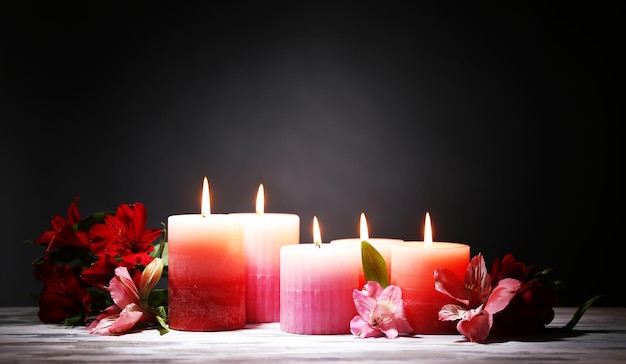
point(364, 231)
point(317, 236)
point(206, 200)
point(260, 200)
point(428, 232)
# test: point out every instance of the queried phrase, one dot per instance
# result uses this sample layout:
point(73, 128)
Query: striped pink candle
point(316, 285)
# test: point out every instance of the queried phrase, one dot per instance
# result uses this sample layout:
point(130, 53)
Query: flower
point(130, 308)
point(62, 295)
point(83, 255)
point(531, 309)
point(380, 312)
point(481, 298)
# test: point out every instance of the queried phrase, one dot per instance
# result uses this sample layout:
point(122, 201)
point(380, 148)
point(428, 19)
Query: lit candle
point(412, 269)
point(382, 245)
point(206, 270)
point(316, 285)
point(264, 234)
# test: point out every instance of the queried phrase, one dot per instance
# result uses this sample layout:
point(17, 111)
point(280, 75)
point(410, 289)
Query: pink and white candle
point(264, 235)
point(316, 285)
point(382, 245)
point(206, 271)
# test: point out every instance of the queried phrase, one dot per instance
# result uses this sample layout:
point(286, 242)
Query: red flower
point(481, 298)
point(531, 309)
point(124, 235)
point(63, 232)
point(62, 296)
point(100, 272)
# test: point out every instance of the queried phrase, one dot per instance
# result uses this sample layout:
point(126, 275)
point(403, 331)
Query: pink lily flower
point(479, 301)
point(380, 312)
point(130, 308)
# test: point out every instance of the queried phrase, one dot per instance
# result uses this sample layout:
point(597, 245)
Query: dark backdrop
point(499, 118)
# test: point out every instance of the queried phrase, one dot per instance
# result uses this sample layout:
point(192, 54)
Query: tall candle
point(382, 245)
point(264, 234)
point(412, 269)
point(206, 270)
point(316, 285)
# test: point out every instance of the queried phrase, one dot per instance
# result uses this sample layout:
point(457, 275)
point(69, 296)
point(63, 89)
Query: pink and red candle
point(412, 269)
point(206, 270)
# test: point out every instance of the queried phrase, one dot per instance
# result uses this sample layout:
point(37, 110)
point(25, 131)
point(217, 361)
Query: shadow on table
point(550, 334)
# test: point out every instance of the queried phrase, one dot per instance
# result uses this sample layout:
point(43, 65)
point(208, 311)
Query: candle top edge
point(436, 244)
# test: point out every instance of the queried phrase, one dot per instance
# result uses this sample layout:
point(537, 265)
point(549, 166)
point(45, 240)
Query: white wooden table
point(599, 337)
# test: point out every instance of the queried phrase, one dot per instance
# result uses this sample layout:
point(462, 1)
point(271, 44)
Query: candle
point(412, 269)
point(382, 245)
point(316, 285)
point(206, 270)
point(264, 234)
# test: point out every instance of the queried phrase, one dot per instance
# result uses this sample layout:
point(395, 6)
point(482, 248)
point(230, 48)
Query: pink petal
point(501, 295)
point(372, 289)
point(451, 312)
point(150, 277)
point(128, 318)
point(476, 325)
point(449, 284)
point(362, 329)
point(477, 277)
point(364, 303)
point(104, 325)
point(122, 288)
point(112, 310)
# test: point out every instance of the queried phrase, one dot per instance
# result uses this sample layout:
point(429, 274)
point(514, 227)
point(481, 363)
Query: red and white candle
point(316, 285)
point(206, 270)
point(412, 269)
point(264, 235)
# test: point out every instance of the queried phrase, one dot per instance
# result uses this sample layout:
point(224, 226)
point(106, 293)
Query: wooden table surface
point(599, 337)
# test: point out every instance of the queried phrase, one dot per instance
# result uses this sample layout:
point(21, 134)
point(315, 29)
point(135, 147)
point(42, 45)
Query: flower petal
point(372, 289)
point(449, 284)
point(502, 294)
point(149, 278)
point(451, 312)
point(361, 328)
point(364, 303)
point(130, 316)
point(476, 325)
point(122, 288)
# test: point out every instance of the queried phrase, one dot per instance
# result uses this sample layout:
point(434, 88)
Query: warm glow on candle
point(428, 232)
point(260, 200)
point(364, 232)
point(317, 236)
point(206, 200)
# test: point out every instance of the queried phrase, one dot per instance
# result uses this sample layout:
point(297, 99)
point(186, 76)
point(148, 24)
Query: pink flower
point(480, 302)
point(380, 312)
point(130, 308)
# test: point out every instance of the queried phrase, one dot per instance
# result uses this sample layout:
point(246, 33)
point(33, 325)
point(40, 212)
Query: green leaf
point(162, 319)
point(74, 320)
point(374, 266)
point(580, 312)
point(93, 219)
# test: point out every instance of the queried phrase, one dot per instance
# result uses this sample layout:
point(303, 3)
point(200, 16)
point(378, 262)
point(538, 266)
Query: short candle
point(264, 234)
point(412, 269)
point(316, 285)
point(206, 271)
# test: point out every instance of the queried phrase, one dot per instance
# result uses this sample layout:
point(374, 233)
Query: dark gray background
point(500, 119)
